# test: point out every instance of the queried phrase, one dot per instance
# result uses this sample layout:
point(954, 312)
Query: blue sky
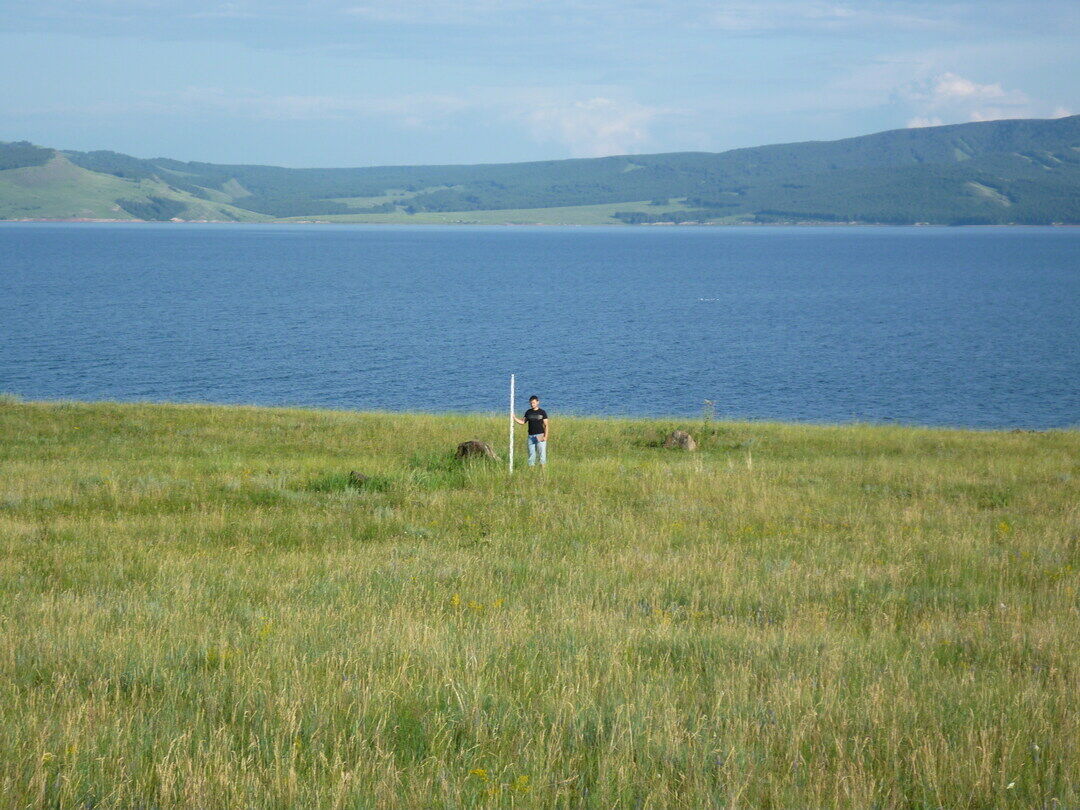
point(363, 82)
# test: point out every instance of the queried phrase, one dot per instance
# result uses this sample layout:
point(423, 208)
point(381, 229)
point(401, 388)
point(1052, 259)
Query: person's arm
point(519, 420)
point(546, 429)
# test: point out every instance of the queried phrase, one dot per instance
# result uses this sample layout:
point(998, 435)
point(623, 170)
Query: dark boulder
point(475, 449)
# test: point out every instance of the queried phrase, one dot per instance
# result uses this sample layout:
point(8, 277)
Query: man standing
point(537, 420)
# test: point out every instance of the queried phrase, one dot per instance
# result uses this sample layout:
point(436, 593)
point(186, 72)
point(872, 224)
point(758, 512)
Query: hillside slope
point(56, 188)
point(1018, 171)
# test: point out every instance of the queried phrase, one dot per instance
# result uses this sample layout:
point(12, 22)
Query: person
point(537, 420)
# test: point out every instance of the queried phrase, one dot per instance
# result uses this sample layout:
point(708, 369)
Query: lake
point(976, 327)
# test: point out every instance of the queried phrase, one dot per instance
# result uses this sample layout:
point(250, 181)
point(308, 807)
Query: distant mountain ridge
point(992, 172)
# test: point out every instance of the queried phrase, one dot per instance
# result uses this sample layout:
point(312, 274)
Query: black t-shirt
point(535, 418)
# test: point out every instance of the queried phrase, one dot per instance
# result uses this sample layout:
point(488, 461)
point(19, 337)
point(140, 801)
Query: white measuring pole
point(511, 454)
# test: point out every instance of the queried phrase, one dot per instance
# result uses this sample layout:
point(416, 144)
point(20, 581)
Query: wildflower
point(498, 603)
point(479, 773)
point(455, 600)
point(521, 784)
point(47, 757)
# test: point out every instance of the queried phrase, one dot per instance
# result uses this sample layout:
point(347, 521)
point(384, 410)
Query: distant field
point(199, 610)
point(567, 215)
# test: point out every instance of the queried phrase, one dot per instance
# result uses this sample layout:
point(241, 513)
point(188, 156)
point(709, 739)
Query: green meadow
point(199, 609)
point(562, 215)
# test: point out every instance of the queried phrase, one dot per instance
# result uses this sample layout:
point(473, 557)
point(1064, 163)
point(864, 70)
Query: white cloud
point(438, 12)
point(814, 15)
point(923, 121)
point(948, 88)
point(223, 11)
point(595, 127)
point(949, 97)
point(998, 114)
point(1061, 112)
point(590, 126)
point(410, 110)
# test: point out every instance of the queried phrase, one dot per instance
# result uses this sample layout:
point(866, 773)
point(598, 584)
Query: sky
point(390, 82)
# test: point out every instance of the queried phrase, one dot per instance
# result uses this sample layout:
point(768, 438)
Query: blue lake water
point(975, 327)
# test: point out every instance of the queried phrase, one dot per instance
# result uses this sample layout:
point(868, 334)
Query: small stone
point(680, 439)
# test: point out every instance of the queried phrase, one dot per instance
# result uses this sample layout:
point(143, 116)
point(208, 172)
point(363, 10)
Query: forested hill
point(994, 172)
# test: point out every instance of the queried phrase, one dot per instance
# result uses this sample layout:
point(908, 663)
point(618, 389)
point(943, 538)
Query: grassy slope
point(61, 190)
point(196, 611)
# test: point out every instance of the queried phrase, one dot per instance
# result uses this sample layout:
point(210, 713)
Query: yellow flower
point(455, 600)
point(47, 757)
point(521, 784)
point(479, 773)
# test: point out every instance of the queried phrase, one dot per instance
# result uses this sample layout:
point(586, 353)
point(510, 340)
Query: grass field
point(197, 610)
point(566, 215)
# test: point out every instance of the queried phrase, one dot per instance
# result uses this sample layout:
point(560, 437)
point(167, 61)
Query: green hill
point(46, 184)
point(199, 609)
point(994, 172)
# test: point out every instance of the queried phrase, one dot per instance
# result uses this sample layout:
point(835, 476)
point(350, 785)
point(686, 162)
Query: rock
point(357, 480)
point(475, 449)
point(680, 439)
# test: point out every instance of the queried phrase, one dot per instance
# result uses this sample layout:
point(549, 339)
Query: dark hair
point(534, 396)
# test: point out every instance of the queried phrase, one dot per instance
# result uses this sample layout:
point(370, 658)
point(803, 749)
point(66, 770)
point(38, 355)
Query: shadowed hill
point(1021, 171)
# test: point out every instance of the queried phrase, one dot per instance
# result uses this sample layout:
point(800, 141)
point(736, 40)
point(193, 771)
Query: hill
point(199, 610)
point(993, 172)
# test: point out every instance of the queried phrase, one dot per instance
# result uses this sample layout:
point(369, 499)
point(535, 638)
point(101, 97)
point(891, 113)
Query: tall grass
point(199, 609)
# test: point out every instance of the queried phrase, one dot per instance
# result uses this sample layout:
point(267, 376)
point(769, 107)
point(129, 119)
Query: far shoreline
point(460, 224)
point(668, 420)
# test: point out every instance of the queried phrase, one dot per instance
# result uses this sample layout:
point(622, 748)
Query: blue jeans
point(537, 447)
